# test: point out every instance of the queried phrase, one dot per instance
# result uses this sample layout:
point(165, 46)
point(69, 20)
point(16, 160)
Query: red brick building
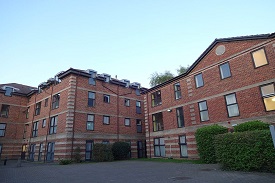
point(75, 109)
point(230, 83)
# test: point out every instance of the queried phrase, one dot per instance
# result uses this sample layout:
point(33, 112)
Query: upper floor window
point(127, 122)
point(53, 125)
point(27, 113)
point(90, 122)
point(156, 98)
point(259, 58)
point(106, 120)
point(2, 129)
point(92, 78)
point(139, 126)
point(199, 80)
point(46, 102)
point(5, 111)
point(55, 103)
point(203, 111)
point(268, 95)
point(37, 108)
point(44, 121)
point(177, 91)
point(225, 70)
point(127, 102)
point(232, 105)
point(106, 98)
point(138, 107)
point(157, 122)
point(35, 129)
point(180, 118)
point(8, 91)
point(91, 99)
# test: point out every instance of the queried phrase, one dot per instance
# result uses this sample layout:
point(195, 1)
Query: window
point(138, 107)
point(40, 152)
point(183, 146)
point(157, 122)
point(177, 91)
point(90, 122)
point(127, 122)
point(106, 120)
point(89, 150)
point(91, 99)
point(32, 152)
point(199, 80)
point(159, 147)
point(27, 113)
point(35, 129)
point(203, 111)
point(127, 102)
point(139, 126)
point(2, 129)
point(106, 98)
point(105, 142)
point(5, 111)
point(1, 146)
point(156, 98)
point(46, 102)
point(92, 78)
point(232, 106)
point(259, 58)
point(25, 130)
point(44, 121)
point(225, 70)
point(55, 103)
point(138, 92)
point(53, 124)
point(50, 151)
point(8, 91)
point(180, 118)
point(268, 95)
point(37, 108)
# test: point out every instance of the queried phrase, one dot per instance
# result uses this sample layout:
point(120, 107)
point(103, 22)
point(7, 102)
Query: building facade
point(75, 109)
point(230, 83)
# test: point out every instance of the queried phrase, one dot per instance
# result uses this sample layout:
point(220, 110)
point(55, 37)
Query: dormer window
point(9, 91)
point(107, 78)
point(92, 77)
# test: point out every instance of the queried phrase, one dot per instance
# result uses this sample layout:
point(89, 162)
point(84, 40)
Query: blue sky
point(128, 38)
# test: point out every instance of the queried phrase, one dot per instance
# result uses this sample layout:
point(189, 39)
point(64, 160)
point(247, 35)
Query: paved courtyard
point(126, 171)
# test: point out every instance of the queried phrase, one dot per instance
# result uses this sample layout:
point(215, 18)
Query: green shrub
point(121, 150)
point(251, 126)
point(204, 138)
point(77, 156)
point(246, 151)
point(65, 161)
point(102, 152)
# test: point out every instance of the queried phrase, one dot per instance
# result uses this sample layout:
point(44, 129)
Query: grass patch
point(170, 160)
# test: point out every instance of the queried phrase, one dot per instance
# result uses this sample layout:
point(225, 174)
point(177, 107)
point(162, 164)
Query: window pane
point(161, 141)
point(269, 103)
point(157, 152)
point(233, 110)
point(156, 141)
point(182, 139)
point(259, 58)
point(90, 117)
point(204, 115)
point(199, 80)
point(162, 150)
point(230, 99)
point(225, 70)
point(88, 155)
point(90, 125)
point(2, 126)
point(183, 150)
point(268, 90)
point(202, 106)
point(91, 95)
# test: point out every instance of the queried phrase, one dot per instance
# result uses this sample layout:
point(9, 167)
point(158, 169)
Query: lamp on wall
point(169, 110)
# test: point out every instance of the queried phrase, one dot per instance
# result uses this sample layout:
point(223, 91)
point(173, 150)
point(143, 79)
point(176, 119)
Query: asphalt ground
point(131, 171)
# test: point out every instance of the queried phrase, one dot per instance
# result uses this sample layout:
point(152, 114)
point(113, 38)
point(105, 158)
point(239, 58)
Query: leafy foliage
point(121, 150)
point(251, 126)
point(204, 138)
point(77, 156)
point(157, 78)
point(182, 69)
point(65, 161)
point(246, 151)
point(102, 152)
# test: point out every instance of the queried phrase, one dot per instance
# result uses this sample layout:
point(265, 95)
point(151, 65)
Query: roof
point(210, 47)
point(21, 89)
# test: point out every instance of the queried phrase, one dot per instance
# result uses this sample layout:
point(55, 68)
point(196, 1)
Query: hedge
point(204, 138)
point(102, 152)
point(251, 126)
point(246, 151)
point(121, 150)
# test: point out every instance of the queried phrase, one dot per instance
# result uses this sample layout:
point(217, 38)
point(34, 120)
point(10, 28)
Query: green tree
point(158, 78)
point(182, 69)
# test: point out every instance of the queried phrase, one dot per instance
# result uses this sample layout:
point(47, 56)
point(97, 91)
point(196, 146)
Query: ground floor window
point(40, 152)
point(89, 150)
point(183, 146)
point(159, 147)
point(268, 95)
point(1, 146)
point(50, 151)
point(32, 152)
